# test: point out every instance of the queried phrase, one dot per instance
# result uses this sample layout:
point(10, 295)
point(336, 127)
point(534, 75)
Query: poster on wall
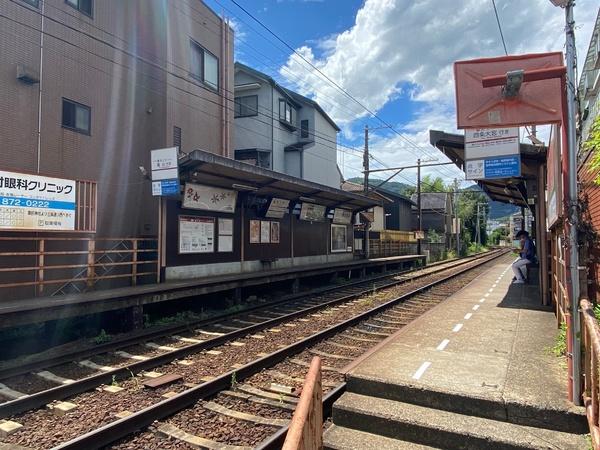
point(553, 178)
point(225, 238)
point(275, 232)
point(312, 212)
point(339, 238)
point(265, 232)
point(197, 196)
point(343, 216)
point(277, 208)
point(32, 202)
point(196, 234)
point(225, 243)
point(255, 231)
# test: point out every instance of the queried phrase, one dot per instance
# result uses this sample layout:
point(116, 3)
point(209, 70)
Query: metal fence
point(306, 428)
point(590, 337)
point(40, 266)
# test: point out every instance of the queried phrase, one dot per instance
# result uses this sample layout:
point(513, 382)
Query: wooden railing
point(34, 266)
point(306, 428)
point(591, 356)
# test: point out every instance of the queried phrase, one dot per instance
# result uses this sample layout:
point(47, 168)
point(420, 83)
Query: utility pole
point(419, 209)
point(573, 199)
point(366, 188)
point(477, 232)
point(366, 161)
point(457, 224)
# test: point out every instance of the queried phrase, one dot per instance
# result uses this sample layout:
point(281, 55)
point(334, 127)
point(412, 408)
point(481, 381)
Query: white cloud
point(394, 42)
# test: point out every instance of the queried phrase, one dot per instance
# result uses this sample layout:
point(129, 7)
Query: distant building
point(398, 212)
point(278, 129)
point(589, 84)
point(115, 80)
point(436, 209)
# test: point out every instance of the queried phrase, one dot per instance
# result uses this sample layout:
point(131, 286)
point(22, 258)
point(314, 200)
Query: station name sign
point(492, 153)
point(33, 202)
point(165, 171)
point(209, 198)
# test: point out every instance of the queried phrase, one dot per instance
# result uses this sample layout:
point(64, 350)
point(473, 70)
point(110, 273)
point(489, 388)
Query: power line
point(499, 27)
point(323, 75)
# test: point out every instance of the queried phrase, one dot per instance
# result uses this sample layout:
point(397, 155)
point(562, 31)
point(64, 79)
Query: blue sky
point(394, 56)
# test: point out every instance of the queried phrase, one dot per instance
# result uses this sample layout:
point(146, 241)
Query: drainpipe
point(39, 130)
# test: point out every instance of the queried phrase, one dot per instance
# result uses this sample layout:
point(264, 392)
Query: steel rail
point(162, 331)
point(118, 429)
point(44, 397)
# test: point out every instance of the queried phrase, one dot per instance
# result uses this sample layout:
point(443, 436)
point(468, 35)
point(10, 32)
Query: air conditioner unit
point(594, 82)
point(27, 75)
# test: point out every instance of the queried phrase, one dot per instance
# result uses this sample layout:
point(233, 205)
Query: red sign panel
point(537, 102)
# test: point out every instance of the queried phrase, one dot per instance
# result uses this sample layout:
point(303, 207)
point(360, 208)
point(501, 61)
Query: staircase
point(394, 416)
point(103, 266)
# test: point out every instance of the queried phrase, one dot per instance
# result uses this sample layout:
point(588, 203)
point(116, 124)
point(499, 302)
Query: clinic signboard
point(492, 153)
point(36, 203)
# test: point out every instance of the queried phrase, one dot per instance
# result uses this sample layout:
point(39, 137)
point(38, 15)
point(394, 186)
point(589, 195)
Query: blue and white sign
point(503, 167)
point(165, 188)
point(33, 202)
point(492, 153)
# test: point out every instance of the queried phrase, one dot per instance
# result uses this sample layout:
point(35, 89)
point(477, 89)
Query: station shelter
point(234, 217)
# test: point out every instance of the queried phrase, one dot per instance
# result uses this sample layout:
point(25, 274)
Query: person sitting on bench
point(526, 256)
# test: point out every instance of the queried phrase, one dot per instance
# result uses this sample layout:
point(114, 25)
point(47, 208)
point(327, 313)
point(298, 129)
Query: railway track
point(108, 412)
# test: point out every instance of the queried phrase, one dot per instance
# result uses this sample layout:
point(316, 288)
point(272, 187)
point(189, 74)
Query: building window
point(84, 6)
point(304, 129)
point(76, 117)
point(285, 111)
point(34, 3)
point(204, 66)
point(246, 106)
point(177, 137)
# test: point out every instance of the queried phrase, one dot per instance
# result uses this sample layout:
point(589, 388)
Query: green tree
point(498, 234)
point(466, 206)
point(429, 184)
point(592, 144)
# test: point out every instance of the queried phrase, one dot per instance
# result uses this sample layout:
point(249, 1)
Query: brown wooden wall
point(591, 190)
point(309, 238)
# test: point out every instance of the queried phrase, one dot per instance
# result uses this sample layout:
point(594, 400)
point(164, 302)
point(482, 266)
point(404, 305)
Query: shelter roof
point(506, 190)
point(214, 170)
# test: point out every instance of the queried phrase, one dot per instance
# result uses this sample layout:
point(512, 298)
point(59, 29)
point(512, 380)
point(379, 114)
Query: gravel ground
point(258, 409)
point(207, 424)
point(150, 441)
point(28, 384)
point(72, 371)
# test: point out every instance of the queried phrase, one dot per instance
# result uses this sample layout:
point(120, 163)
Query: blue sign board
point(165, 187)
point(503, 167)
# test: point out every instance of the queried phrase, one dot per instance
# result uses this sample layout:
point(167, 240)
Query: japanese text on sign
point(32, 202)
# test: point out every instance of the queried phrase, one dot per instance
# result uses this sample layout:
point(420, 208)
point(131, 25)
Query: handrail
point(306, 428)
point(591, 348)
point(74, 263)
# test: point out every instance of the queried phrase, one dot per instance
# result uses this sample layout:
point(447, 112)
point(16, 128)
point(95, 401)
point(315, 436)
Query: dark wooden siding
point(591, 190)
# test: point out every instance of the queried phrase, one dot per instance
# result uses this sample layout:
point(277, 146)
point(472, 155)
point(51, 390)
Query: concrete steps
point(402, 422)
point(514, 409)
point(340, 438)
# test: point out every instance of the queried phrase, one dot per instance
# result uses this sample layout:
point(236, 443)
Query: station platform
point(40, 309)
point(475, 372)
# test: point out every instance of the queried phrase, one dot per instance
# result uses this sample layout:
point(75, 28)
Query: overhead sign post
point(492, 153)
point(165, 172)
point(33, 202)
